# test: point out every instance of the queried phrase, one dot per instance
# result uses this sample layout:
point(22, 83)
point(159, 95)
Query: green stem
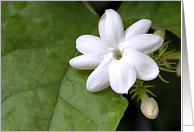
point(142, 93)
point(175, 56)
point(89, 7)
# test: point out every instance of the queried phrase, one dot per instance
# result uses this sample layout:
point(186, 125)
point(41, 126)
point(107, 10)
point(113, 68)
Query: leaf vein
point(78, 110)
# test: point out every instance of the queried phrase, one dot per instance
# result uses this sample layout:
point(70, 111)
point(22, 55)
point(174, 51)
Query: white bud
point(149, 108)
point(160, 32)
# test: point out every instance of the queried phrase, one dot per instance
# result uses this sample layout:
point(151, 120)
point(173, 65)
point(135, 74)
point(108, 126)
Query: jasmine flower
point(118, 56)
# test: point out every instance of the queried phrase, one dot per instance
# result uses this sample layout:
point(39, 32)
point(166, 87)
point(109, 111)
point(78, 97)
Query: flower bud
point(160, 32)
point(149, 108)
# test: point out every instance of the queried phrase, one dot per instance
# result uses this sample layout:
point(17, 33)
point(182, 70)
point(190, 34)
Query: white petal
point(111, 28)
point(145, 66)
point(145, 43)
point(122, 75)
point(98, 79)
point(140, 27)
point(91, 45)
point(84, 62)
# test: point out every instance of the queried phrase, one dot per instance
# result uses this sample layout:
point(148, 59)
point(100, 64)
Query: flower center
point(119, 57)
point(117, 54)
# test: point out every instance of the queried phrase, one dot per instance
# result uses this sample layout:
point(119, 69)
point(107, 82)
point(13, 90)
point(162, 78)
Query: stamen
point(119, 57)
point(117, 54)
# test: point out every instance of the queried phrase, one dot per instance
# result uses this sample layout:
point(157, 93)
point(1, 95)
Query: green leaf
point(39, 90)
point(163, 14)
point(84, 110)
point(10, 8)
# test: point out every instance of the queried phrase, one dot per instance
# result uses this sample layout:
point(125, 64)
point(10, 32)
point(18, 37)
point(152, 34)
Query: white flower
point(119, 56)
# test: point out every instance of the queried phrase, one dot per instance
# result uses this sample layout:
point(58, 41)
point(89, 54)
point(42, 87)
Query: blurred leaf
point(10, 8)
point(163, 14)
point(39, 90)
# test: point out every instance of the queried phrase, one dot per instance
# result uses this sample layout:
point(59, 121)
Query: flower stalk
point(142, 93)
point(149, 106)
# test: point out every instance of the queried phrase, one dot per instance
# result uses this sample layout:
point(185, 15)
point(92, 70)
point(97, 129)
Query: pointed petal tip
point(98, 79)
point(92, 46)
point(93, 86)
point(84, 62)
point(122, 92)
point(110, 10)
point(111, 28)
point(154, 75)
point(91, 89)
point(145, 22)
point(140, 27)
point(145, 43)
point(151, 76)
point(71, 62)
